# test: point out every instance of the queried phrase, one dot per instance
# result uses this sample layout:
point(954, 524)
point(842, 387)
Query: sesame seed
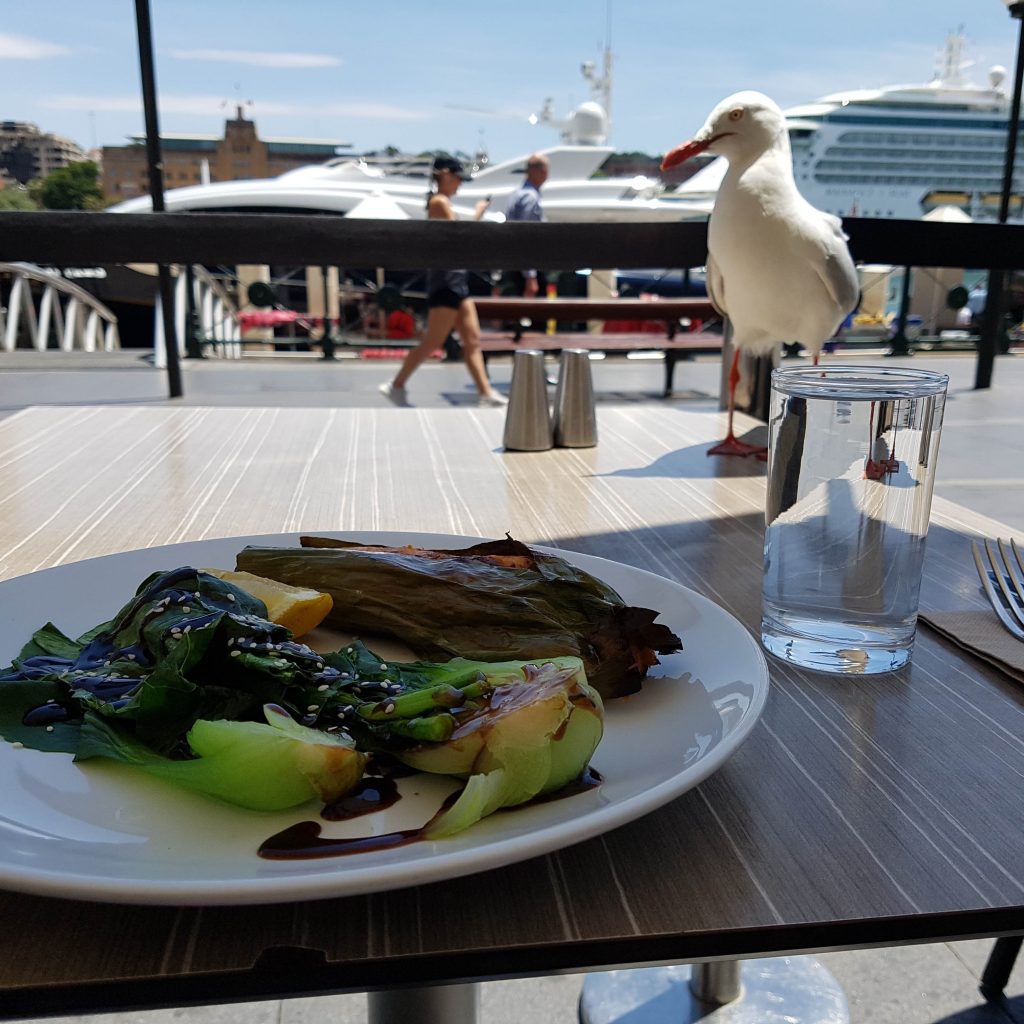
point(130, 657)
point(389, 707)
point(186, 629)
point(231, 597)
point(235, 654)
point(186, 608)
point(333, 728)
point(348, 650)
point(313, 707)
point(51, 701)
point(18, 744)
point(198, 594)
point(231, 641)
point(319, 665)
point(383, 668)
point(322, 687)
point(49, 728)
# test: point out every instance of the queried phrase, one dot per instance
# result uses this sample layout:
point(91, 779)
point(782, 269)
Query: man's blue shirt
point(524, 203)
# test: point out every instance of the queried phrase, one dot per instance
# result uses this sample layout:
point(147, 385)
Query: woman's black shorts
point(447, 298)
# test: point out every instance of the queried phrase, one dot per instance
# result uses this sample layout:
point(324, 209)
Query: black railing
point(84, 239)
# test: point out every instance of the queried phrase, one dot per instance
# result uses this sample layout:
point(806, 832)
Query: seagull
point(778, 268)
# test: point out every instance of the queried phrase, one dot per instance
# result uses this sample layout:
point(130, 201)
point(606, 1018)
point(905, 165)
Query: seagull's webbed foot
point(732, 445)
point(877, 470)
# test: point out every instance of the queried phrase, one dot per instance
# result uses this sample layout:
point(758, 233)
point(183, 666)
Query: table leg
point(670, 369)
point(1000, 964)
point(437, 1004)
point(716, 983)
point(794, 990)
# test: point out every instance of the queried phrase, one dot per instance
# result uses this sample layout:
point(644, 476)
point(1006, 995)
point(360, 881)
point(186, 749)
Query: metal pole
point(154, 160)
point(992, 322)
point(900, 344)
point(327, 342)
point(439, 1004)
point(716, 983)
point(193, 339)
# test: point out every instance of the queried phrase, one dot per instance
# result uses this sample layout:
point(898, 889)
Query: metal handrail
point(208, 280)
point(53, 279)
point(85, 321)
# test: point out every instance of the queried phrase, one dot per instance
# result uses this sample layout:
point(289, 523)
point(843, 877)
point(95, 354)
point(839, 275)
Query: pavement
point(981, 465)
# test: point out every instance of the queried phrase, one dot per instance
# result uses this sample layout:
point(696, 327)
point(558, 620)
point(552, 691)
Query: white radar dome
point(996, 76)
point(588, 125)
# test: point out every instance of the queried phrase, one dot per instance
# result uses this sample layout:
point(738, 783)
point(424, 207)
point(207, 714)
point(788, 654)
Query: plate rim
point(254, 891)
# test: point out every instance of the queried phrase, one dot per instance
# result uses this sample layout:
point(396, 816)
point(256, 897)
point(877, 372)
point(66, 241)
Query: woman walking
point(448, 301)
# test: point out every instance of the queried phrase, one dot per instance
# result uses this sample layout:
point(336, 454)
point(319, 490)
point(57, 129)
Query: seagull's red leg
point(732, 445)
point(876, 470)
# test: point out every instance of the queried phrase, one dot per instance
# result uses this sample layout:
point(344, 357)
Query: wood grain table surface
point(860, 811)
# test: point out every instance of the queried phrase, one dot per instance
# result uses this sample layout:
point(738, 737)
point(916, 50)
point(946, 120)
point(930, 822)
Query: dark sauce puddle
point(303, 841)
point(374, 793)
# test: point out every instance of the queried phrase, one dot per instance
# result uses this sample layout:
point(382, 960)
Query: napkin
point(981, 633)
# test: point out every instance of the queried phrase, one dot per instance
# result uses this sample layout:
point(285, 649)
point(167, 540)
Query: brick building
point(191, 159)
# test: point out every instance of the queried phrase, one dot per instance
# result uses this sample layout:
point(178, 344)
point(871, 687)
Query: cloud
point(24, 48)
point(371, 111)
point(219, 106)
point(260, 58)
point(168, 104)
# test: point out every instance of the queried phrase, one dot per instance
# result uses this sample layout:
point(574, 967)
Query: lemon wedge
point(299, 609)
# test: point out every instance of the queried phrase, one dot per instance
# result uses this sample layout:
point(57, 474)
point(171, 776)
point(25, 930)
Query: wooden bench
point(667, 311)
point(681, 347)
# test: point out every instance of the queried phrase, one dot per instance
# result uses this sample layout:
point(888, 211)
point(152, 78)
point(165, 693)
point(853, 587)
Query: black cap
point(449, 163)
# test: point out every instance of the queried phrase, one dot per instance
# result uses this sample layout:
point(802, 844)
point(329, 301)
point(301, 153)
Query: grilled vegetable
point(489, 602)
point(531, 735)
point(263, 766)
point(192, 684)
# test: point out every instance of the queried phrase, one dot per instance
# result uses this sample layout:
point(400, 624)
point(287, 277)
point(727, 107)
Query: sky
point(441, 75)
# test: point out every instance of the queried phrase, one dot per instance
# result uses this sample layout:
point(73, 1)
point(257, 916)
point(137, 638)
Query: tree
point(74, 187)
point(14, 197)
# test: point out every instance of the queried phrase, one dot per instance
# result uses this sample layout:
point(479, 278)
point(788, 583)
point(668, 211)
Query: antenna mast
point(601, 86)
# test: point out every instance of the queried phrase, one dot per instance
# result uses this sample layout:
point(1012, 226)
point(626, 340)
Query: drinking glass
point(851, 466)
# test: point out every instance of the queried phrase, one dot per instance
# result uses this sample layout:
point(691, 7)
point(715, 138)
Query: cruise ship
point(899, 151)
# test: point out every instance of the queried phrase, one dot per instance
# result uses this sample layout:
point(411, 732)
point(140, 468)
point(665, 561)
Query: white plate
point(103, 832)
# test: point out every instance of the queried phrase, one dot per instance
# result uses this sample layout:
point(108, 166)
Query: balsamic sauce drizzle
point(303, 841)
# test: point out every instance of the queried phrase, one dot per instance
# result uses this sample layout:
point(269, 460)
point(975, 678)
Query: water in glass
point(852, 454)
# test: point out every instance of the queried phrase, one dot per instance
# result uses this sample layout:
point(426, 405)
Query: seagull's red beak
point(685, 150)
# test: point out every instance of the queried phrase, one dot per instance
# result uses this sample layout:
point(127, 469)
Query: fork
point(1010, 579)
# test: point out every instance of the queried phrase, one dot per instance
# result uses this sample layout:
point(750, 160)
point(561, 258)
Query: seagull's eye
point(736, 114)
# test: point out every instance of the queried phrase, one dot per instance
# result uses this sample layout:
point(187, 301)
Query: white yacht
point(899, 151)
point(340, 186)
